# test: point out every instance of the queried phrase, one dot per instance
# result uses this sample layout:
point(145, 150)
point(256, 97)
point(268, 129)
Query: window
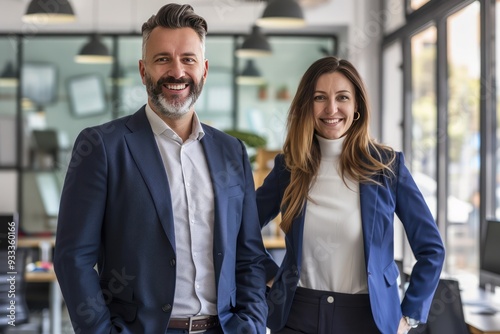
point(463, 141)
point(424, 113)
point(416, 4)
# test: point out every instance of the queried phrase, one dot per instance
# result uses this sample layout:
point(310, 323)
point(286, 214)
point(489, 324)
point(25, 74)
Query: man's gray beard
point(172, 110)
point(175, 109)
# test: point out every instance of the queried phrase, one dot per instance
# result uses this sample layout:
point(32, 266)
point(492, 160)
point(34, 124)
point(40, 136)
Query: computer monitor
point(489, 274)
point(8, 230)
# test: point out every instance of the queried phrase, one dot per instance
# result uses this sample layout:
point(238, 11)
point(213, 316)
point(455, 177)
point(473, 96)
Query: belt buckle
point(196, 317)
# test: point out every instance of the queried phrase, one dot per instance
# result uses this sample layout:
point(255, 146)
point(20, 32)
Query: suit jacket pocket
point(120, 302)
point(391, 273)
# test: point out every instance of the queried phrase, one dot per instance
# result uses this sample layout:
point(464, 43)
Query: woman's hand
point(403, 326)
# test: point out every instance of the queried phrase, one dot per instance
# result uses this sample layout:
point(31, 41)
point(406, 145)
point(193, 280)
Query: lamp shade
point(282, 14)
point(49, 11)
point(250, 75)
point(255, 45)
point(8, 76)
point(94, 52)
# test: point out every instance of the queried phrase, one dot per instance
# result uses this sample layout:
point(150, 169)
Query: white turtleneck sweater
point(333, 256)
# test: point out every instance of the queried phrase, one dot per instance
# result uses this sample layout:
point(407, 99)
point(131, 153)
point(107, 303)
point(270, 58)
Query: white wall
point(8, 191)
point(363, 50)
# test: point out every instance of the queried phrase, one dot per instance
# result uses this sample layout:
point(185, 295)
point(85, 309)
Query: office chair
point(446, 314)
point(13, 295)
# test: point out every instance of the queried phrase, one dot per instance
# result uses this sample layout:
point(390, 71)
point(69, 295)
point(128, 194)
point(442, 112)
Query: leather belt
point(196, 324)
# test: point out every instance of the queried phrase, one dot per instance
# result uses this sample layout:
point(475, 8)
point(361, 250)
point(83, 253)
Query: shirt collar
point(159, 126)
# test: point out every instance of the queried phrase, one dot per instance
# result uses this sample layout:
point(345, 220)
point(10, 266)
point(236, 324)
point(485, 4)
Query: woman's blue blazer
point(398, 195)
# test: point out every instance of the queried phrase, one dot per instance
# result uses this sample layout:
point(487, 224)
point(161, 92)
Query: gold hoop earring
point(359, 115)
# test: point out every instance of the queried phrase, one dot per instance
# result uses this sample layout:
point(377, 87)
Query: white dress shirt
point(193, 210)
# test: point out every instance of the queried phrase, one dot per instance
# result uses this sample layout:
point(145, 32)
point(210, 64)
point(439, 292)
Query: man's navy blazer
point(398, 194)
point(116, 215)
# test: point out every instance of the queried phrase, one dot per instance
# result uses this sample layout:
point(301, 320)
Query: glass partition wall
point(57, 97)
point(424, 114)
point(9, 125)
point(262, 108)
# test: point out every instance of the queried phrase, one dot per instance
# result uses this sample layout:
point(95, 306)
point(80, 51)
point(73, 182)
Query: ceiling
point(223, 16)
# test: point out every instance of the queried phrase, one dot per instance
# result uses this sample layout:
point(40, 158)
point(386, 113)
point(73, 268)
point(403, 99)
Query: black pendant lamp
point(282, 14)
point(49, 11)
point(254, 45)
point(250, 75)
point(94, 52)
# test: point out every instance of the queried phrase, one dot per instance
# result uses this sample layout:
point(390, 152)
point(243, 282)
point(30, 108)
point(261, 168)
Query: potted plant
point(251, 140)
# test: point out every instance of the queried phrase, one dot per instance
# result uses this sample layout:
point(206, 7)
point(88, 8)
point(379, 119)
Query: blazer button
point(166, 308)
point(172, 263)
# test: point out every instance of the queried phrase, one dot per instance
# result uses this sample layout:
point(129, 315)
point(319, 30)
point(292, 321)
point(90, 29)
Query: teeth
point(176, 86)
point(331, 121)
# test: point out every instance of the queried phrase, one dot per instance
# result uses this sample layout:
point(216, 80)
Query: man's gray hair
point(174, 16)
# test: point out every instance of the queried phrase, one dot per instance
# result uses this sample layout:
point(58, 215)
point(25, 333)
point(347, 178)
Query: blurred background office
point(430, 68)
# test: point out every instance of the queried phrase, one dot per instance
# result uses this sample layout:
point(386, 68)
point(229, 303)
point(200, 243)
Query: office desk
point(41, 276)
point(482, 324)
point(34, 242)
point(476, 299)
point(55, 297)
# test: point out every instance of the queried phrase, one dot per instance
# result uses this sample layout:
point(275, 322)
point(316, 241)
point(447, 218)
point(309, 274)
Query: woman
point(337, 191)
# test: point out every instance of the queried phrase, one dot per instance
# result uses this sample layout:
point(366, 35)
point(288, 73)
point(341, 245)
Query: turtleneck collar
point(330, 148)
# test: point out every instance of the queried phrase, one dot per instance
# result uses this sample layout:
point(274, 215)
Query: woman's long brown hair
point(361, 156)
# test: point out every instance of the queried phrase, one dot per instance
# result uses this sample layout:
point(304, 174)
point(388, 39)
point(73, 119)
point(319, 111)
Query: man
point(164, 206)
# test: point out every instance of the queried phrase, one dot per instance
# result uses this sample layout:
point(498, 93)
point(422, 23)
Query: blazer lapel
point(144, 150)
point(217, 163)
